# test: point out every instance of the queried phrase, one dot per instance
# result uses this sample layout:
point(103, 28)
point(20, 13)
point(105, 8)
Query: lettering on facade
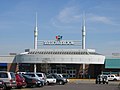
point(58, 43)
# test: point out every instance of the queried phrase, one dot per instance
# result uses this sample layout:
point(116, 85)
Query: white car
point(8, 78)
point(50, 80)
point(113, 77)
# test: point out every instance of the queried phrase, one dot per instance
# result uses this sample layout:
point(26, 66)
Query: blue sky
point(59, 17)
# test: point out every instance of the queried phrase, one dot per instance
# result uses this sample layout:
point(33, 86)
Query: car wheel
point(114, 79)
point(96, 82)
point(47, 83)
point(8, 88)
point(33, 85)
point(19, 87)
point(61, 82)
point(99, 82)
point(103, 82)
point(4, 87)
point(40, 85)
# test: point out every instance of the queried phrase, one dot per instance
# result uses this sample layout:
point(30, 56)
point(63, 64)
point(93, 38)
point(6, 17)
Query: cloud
point(68, 15)
point(101, 19)
point(70, 18)
point(73, 16)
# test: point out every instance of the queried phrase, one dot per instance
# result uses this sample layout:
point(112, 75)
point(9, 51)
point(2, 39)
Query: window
point(49, 77)
point(3, 75)
point(12, 75)
point(31, 75)
point(39, 75)
point(112, 76)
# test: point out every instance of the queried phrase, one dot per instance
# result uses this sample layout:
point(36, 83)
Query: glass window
point(31, 75)
point(70, 71)
point(12, 75)
point(73, 75)
point(49, 76)
point(74, 71)
point(39, 75)
point(3, 75)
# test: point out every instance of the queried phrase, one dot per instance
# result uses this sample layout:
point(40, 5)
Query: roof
point(63, 51)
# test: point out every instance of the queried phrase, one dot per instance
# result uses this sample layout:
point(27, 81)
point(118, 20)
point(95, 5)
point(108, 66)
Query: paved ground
point(73, 86)
point(90, 81)
point(79, 85)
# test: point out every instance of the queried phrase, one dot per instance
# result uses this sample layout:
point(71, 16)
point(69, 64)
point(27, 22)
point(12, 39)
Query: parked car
point(59, 80)
point(50, 80)
point(20, 80)
point(34, 75)
point(31, 82)
point(63, 76)
point(113, 77)
point(102, 79)
point(42, 76)
point(2, 85)
point(8, 78)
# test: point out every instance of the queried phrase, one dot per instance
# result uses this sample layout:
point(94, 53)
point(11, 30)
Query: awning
point(112, 63)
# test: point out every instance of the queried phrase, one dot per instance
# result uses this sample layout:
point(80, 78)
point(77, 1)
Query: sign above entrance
point(63, 42)
point(59, 41)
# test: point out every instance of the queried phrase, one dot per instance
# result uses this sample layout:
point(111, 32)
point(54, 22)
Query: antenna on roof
point(83, 32)
point(35, 34)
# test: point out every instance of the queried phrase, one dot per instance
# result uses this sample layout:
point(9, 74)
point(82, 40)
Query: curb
point(83, 80)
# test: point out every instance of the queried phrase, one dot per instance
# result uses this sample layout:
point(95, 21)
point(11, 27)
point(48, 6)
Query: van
point(8, 78)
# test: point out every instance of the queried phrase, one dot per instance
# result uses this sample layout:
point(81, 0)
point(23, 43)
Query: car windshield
point(3, 75)
point(12, 75)
point(56, 76)
point(26, 76)
point(31, 75)
point(39, 75)
point(49, 76)
point(21, 76)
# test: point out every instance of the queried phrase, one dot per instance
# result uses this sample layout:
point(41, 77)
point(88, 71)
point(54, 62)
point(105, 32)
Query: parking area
point(79, 85)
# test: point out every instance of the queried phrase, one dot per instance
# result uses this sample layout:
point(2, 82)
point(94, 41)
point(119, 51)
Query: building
point(67, 61)
point(74, 63)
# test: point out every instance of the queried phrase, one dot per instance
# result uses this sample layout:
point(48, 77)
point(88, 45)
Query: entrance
point(68, 72)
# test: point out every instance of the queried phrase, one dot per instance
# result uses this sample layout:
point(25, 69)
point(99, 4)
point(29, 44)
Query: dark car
point(20, 80)
point(2, 85)
point(59, 80)
point(31, 82)
point(34, 75)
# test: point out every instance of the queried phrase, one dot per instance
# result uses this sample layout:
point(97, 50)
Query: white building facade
point(67, 61)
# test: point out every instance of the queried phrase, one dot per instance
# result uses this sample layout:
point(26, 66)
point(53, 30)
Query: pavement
point(77, 81)
point(79, 84)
